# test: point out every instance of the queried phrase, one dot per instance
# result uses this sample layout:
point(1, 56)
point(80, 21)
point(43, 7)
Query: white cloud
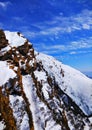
point(72, 47)
point(4, 5)
point(86, 26)
point(80, 52)
point(60, 24)
point(29, 33)
point(73, 52)
point(82, 43)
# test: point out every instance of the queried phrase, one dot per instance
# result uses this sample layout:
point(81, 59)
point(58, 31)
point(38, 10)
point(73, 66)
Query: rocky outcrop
point(3, 40)
point(16, 58)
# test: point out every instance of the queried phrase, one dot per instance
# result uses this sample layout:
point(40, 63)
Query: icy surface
point(5, 72)
point(75, 84)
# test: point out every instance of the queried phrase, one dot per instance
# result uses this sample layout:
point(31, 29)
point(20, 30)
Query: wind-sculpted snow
point(37, 92)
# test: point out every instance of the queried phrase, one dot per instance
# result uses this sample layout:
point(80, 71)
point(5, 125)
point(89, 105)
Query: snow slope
point(40, 93)
point(39, 116)
point(75, 84)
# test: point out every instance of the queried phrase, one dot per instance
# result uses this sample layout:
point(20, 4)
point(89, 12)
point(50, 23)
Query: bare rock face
point(33, 91)
point(24, 48)
point(3, 40)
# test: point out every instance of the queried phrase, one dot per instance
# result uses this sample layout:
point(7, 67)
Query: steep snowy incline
point(37, 92)
point(42, 116)
point(75, 84)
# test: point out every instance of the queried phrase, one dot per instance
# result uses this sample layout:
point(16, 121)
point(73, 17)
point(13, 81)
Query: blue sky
point(61, 28)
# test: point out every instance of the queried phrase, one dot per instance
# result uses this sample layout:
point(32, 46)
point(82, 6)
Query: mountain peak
point(39, 92)
point(15, 39)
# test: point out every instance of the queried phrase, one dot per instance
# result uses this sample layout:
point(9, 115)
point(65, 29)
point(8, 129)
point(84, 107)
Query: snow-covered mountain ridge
point(37, 92)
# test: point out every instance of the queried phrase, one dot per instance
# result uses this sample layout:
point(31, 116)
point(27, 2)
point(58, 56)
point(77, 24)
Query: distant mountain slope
point(38, 92)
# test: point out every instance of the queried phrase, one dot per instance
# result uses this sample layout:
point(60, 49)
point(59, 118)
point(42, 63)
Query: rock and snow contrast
point(37, 92)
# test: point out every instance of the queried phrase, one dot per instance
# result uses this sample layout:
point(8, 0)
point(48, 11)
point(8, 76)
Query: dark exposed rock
point(3, 40)
point(6, 56)
point(6, 112)
point(24, 48)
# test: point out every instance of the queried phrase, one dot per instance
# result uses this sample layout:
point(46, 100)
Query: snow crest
point(14, 39)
